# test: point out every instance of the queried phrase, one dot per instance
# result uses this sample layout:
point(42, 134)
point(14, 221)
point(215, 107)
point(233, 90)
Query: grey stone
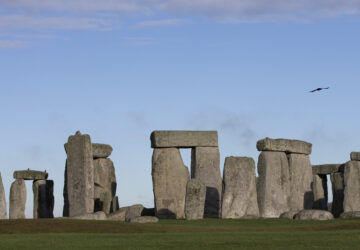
point(17, 199)
point(284, 145)
point(355, 156)
point(205, 167)
point(313, 214)
point(352, 186)
point(79, 179)
point(337, 183)
point(133, 211)
point(3, 213)
point(118, 215)
point(288, 215)
point(195, 200)
point(101, 150)
point(105, 185)
point(320, 192)
point(273, 187)
point(327, 168)
point(169, 176)
point(183, 139)
point(30, 175)
point(100, 215)
point(352, 214)
point(114, 204)
point(239, 197)
point(144, 219)
point(301, 180)
point(43, 199)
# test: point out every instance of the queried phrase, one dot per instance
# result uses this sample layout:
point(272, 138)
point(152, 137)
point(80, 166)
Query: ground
point(178, 234)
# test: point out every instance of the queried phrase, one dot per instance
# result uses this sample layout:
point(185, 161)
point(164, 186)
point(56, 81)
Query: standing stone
point(205, 167)
point(320, 192)
point(79, 175)
point(3, 214)
point(114, 205)
point(169, 176)
point(17, 199)
point(105, 184)
point(352, 186)
point(239, 197)
point(337, 183)
point(195, 200)
point(301, 180)
point(43, 199)
point(101, 150)
point(273, 185)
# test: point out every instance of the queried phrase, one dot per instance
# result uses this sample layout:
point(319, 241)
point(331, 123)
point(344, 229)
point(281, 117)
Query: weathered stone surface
point(30, 175)
point(79, 193)
point(239, 197)
point(148, 212)
point(352, 186)
point(133, 211)
point(355, 156)
point(144, 219)
point(337, 183)
point(91, 216)
point(288, 215)
point(301, 180)
point(3, 213)
point(273, 187)
point(353, 214)
point(169, 176)
point(328, 168)
point(284, 145)
point(114, 204)
point(43, 199)
point(101, 150)
point(195, 200)
point(320, 192)
point(183, 139)
point(313, 214)
point(105, 184)
point(17, 199)
point(205, 167)
point(118, 215)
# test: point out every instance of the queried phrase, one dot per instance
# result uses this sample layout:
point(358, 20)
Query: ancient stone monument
point(3, 213)
point(195, 200)
point(285, 176)
point(239, 198)
point(90, 183)
point(170, 176)
point(352, 184)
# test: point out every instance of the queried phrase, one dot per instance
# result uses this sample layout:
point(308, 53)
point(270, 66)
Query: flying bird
point(318, 89)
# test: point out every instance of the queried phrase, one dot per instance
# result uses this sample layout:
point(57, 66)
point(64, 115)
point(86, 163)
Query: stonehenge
point(17, 199)
point(3, 209)
point(195, 200)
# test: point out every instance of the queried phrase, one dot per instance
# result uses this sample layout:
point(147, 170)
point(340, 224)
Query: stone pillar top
point(284, 145)
point(30, 175)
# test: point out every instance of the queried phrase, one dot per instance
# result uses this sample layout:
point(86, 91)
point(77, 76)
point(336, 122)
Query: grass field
point(176, 234)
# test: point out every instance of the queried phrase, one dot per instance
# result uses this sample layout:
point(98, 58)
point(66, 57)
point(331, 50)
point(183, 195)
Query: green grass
point(175, 234)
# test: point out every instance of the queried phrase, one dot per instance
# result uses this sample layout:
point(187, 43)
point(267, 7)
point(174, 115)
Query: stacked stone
point(43, 195)
point(90, 182)
point(239, 198)
point(285, 176)
point(352, 184)
point(3, 213)
point(170, 175)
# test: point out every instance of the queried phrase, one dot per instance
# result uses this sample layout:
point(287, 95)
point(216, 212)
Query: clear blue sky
point(118, 70)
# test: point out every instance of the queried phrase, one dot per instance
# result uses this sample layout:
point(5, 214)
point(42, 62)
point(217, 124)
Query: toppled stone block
point(30, 175)
point(205, 167)
point(301, 180)
point(3, 213)
point(284, 145)
point(355, 156)
point(91, 216)
point(288, 215)
point(337, 183)
point(313, 214)
point(352, 186)
point(119, 215)
point(169, 176)
point(79, 176)
point(239, 188)
point(133, 211)
point(195, 200)
point(183, 139)
point(144, 219)
point(352, 214)
point(43, 199)
point(17, 199)
point(328, 168)
point(101, 150)
point(273, 188)
point(320, 192)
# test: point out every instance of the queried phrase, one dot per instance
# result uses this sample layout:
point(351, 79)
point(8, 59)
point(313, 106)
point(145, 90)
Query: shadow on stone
point(212, 202)
point(308, 200)
point(165, 214)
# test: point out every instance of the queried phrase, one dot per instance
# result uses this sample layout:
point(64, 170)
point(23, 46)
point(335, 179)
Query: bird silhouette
point(318, 89)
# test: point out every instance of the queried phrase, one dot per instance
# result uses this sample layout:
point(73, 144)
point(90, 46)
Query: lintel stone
point(183, 139)
point(284, 145)
point(328, 168)
point(30, 175)
point(355, 156)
